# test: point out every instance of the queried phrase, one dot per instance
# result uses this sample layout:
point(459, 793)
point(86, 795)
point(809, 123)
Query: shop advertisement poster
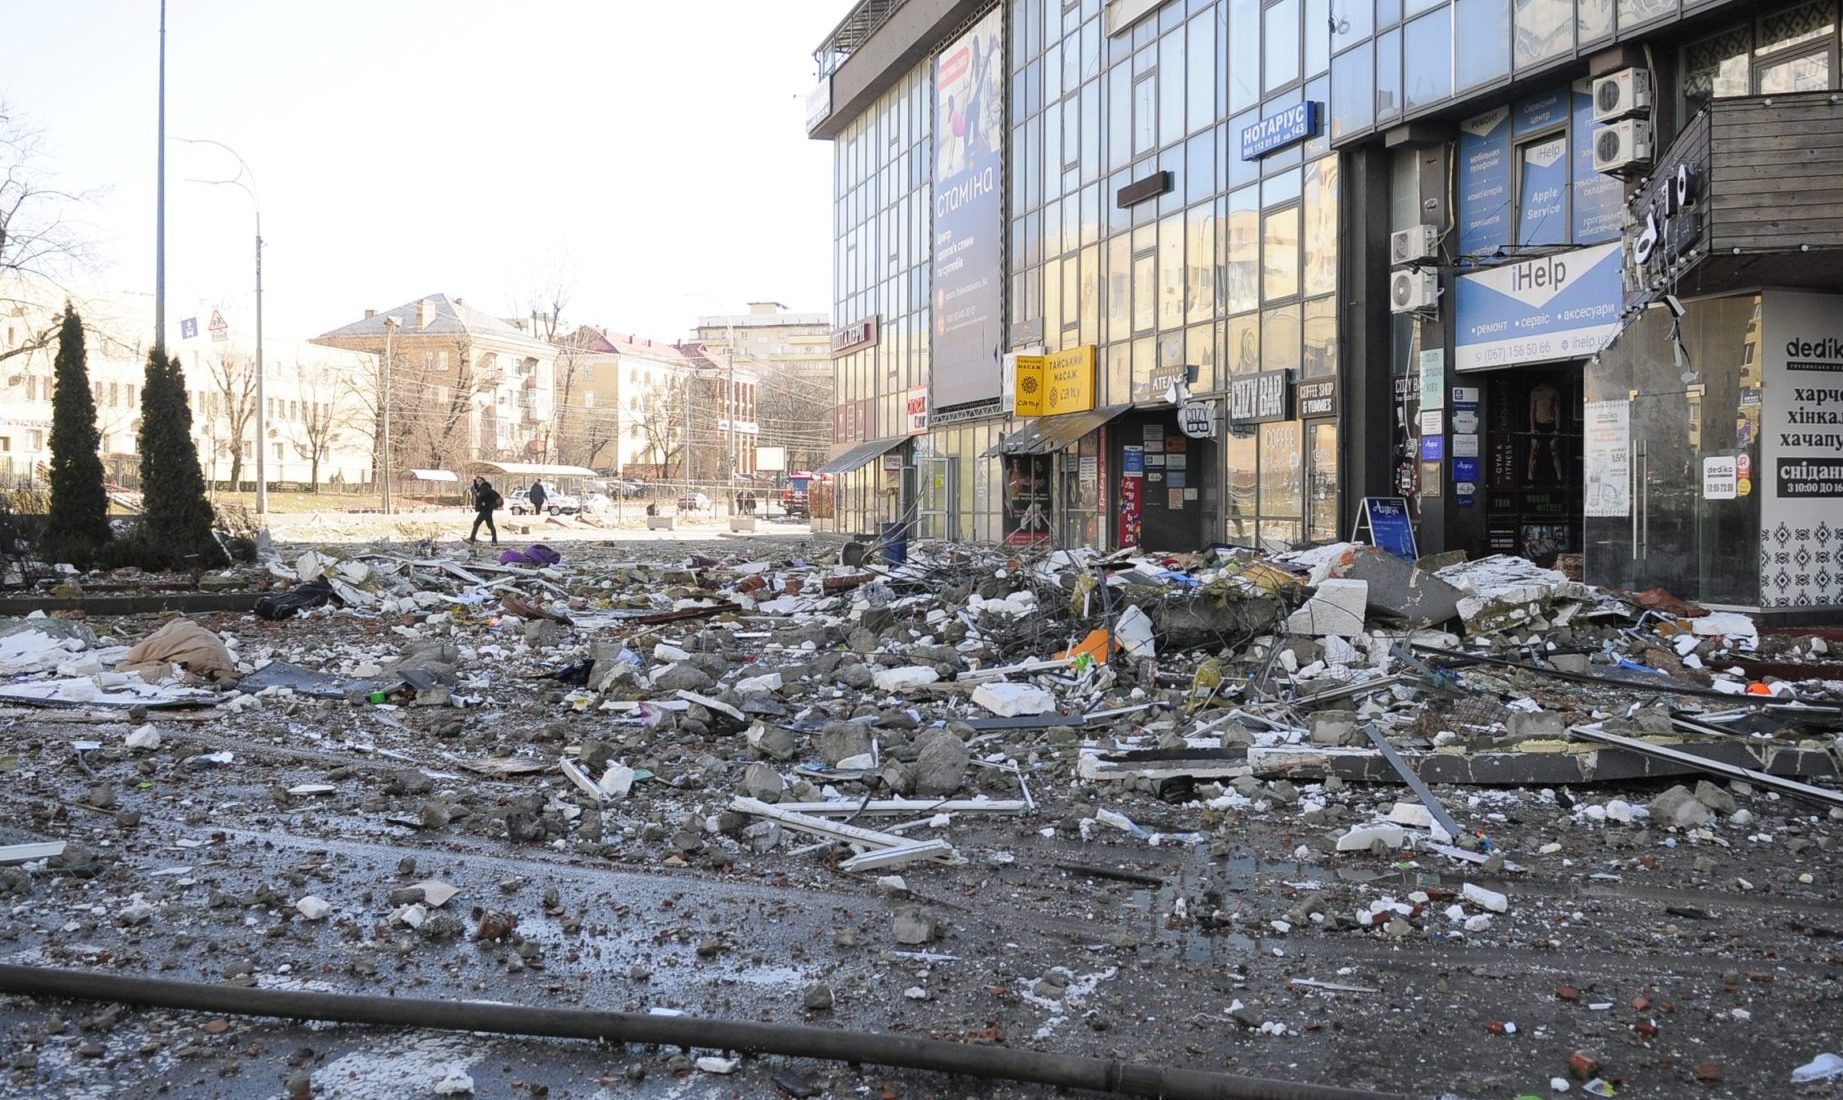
point(1542, 208)
point(1607, 449)
point(1132, 462)
point(1544, 309)
point(1433, 378)
point(1597, 201)
point(969, 129)
point(1484, 182)
point(1801, 452)
point(1129, 510)
point(1718, 478)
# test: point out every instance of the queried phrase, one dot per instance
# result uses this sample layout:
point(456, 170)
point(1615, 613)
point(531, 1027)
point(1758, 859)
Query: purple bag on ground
point(514, 557)
point(539, 554)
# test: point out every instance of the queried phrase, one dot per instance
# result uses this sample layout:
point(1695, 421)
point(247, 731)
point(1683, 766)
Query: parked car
point(596, 503)
point(562, 504)
point(519, 503)
point(694, 502)
point(632, 490)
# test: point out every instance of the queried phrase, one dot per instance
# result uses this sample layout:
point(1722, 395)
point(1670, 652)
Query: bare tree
point(324, 417)
point(436, 405)
point(551, 286)
point(659, 413)
point(233, 383)
point(37, 245)
point(794, 407)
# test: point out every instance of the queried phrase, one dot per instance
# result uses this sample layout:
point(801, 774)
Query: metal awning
point(538, 469)
point(850, 460)
point(1053, 433)
point(431, 475)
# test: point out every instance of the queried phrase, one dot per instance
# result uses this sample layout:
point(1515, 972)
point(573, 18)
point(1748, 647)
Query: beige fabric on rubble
point(184, 643)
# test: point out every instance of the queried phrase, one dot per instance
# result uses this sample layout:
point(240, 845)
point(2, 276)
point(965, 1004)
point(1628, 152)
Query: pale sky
point(406, 147)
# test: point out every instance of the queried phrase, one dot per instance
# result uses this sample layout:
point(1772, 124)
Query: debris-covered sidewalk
point(1329, 818)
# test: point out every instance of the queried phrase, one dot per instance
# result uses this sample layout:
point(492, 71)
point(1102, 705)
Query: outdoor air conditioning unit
point(1626, 92)
point(1412, 246)
point(1413, 291)
point(1622, 146)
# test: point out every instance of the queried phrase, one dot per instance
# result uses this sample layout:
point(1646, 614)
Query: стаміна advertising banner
point(969, 127)
point(1801, 452)
point(1540, 310)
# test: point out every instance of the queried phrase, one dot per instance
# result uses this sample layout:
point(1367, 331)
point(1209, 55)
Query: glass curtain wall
point(882, 198)
point(1232, 270)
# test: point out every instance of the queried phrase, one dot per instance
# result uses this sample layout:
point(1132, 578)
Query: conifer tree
point(78, 525)
point(176, 524)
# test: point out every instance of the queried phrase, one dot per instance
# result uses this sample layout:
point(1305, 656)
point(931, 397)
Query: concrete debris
point(656, 775)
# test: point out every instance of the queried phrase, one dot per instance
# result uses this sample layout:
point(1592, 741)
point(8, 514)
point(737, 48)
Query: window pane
point(1280, 347)
point(1242, 345)
point(1280, 461)
point(1784, 29)
point(1145, 292)
point(1483, 27)
point(1416, 7)
point(1545, 29)
point(1240, 449)
point(1354, 22)
point(1242, 273)
point(1200, 72)
point(1637, 11)
point(1052, 304)
point(1319, 358)
point(1317, 42)
point(1280, 254)
point(1120, 118)
point(1171, 88)
point(1200, 177)
point(1282, 53)
point(1320, 275)
point(1200, 266)
point(1200, 351)
point(1429, 41)
point(1244, 54)
point(1145, 105)
point(1388, 75)
point(1542, 216)
point(1715, 68)
point(1170, 273)
point(1388, 12)
point(1119, 288)
point(1088, 299)
point(1810, 73)
point(1596, 18)
point(1353, 81)
point(1321, 522)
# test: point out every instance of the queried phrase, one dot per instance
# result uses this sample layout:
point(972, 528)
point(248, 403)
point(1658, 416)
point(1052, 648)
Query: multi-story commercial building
point(791, 354)
point(1539, 276)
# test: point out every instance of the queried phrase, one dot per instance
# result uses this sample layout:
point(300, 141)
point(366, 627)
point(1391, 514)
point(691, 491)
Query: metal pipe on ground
point(1058, 1070)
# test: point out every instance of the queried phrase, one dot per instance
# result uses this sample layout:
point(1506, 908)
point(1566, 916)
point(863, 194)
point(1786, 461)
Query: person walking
point(486, 498)
point(538, 496)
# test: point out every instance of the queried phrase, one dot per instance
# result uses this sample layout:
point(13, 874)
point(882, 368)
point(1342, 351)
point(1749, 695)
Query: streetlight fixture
point(262, 407)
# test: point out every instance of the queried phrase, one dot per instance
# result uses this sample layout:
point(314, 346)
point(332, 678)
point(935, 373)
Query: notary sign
point(1277, 131)
point(1259, 398)
point(1050, 385)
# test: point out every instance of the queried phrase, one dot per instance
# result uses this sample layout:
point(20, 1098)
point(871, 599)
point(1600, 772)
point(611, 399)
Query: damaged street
point(1316, 821)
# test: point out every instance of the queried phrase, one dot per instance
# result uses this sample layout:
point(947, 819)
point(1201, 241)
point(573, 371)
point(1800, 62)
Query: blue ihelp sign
point(1277, 131)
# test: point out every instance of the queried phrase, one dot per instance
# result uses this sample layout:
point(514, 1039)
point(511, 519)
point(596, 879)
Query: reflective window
point(1388, 12)
point(1595, 19)
point(1200, 73)
point(1200, 268)
point(1353, 80)
point(1280, 347)
point(1809, 73)
point(1170, 273)
point(1200, 176)
point(1542, 211)
point(1242, 344)
point(1282, 52)
point(1714, 68)
point(1353, 22)
point(1429, 41)
point(1388, 75)
point(1317, 42)
point(1244, 54)
point(1544, 29)
point(1279, 255)
point(1145, 110)
point(1320, 269)
point(1145, 292)
point(1171, 88)
point(1321, 518)
point(1119, 283)
point(1633, 12)
point(1119, 118)
point(1318, 359)
point(1807, 23)
point(1280, 480)
point(1242, 272)
point(1483, 29)
point(1416, 7)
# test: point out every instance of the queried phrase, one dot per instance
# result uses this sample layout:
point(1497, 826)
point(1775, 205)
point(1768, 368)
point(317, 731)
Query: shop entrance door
point(936, 517)
point(1170, 490)
point(1532, 462)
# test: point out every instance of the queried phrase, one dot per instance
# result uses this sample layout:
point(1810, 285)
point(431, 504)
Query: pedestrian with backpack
point(486, 499)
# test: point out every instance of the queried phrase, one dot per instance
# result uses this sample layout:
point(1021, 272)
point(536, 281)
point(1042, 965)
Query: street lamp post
point(384, 472)
point(262, 408)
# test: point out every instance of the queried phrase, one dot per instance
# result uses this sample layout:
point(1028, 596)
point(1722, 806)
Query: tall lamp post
point(262, 408)
point(384, 472)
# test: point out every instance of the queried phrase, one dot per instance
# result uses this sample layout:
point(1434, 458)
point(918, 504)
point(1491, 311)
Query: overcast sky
point(405, 147)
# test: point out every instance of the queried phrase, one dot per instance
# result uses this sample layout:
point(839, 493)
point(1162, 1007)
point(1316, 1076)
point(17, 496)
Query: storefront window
point(1544, 29)
point(1320, 273)
point(1353, 81)
point(1241, 449)
point(1280, 339)
point(1280, 254)
point(1483, 30)
point(1429, 41)
point(1321, 518)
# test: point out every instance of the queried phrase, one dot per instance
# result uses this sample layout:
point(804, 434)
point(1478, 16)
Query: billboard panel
point(969, 126)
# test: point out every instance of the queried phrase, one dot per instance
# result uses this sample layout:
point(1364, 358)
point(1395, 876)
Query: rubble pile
point(987, 791)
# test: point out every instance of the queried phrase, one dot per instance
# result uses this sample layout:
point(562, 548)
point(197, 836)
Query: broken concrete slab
point(1402, 590)
point(1336, 608)
point(1009, 700)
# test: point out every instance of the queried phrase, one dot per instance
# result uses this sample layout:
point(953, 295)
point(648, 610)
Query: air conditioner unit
point(1622, 146)
point(1413, 291)
point(1626, 92)
point(1412, 246)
